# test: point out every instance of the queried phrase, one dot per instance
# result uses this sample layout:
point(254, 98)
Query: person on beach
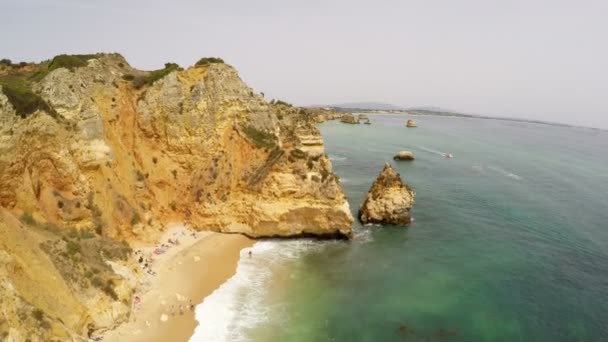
point(250, 253)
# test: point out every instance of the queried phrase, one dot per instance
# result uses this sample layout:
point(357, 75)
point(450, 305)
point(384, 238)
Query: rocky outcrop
point(404, 155)
point(411, 123)
point(388, 201)
point(349, 119)
point(363, 118)
point(113, 153)
point(322, 114)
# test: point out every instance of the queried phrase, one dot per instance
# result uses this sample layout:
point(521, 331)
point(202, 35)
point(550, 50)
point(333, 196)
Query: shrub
point(73, 247)
point(205, 61)
point(51, 228)
point(28, 219)
point(109, 290)
point(135, 219)
point(69, 62)
point(87, 235)
point(139, 176)
point(96, 281)
point(128, 77)
point(38, 314)
point(153, 76)
point(259, 138)
point(22, 98)
point(6, 62)
point(283, 103)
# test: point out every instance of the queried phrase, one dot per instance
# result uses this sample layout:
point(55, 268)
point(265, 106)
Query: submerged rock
point(411, 123)
point(404, 155)
point(349, 119)
point(388, 201)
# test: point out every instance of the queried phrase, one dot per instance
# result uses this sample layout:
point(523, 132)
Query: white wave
point(363, 235)
point(237, 305)
point(505, 172)
point(336, 158)
point(345, 180)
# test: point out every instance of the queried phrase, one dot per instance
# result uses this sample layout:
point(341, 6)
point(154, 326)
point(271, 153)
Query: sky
point(534, 59)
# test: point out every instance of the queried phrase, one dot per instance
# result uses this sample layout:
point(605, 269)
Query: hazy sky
point(537, 59)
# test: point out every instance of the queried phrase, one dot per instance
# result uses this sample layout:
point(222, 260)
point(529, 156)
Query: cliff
point(95, 154)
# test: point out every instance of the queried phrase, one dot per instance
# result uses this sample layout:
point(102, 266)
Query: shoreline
point(181, 279)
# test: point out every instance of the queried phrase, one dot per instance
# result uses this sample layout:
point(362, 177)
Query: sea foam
point(238, 305)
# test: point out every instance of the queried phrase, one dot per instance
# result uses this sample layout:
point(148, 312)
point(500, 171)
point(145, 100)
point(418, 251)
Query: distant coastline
point(427, 112)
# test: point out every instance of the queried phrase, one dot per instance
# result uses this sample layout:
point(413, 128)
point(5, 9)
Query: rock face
point(349, 119)
point(404, 155)
point(322, 114)
point(388, 201)
point(363, 118)
point(117, 153)
point(411, 123)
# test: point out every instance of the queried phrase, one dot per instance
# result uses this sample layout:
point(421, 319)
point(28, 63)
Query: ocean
point(509, 242)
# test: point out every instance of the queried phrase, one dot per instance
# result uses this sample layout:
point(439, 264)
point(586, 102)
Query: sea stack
point(349, 119)
point(404, 155)
point(363, 118)
point(388, 201)
point(411, 123)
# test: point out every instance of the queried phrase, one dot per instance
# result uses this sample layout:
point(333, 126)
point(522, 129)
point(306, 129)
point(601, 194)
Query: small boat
point(448, 155)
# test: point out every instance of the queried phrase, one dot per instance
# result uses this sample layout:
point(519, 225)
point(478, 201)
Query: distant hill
point(367, 106)
point(438, 112)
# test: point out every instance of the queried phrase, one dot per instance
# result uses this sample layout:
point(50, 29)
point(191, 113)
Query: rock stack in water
point(349, 119)
point(404, 155)
point(363, 118)
point(411, 123)
point(388, 201)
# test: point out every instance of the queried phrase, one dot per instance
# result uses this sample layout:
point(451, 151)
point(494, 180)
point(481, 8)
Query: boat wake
point(505, 173)
point(430, 150)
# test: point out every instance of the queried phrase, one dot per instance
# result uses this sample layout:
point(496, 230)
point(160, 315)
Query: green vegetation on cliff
point(17, 85)
point(152, 76)
point(205, 61)
point(260, 138)
point(19, 92)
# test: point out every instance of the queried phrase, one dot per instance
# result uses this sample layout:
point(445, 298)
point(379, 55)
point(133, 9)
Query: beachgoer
point(250, 253)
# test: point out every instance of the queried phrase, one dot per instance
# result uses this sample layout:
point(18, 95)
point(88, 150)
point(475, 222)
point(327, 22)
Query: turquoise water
point(509, 240)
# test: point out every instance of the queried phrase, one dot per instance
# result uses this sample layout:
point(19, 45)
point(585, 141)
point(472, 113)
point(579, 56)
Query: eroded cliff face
point(119, 160)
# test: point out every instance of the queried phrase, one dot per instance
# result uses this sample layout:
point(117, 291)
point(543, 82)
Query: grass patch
point(206, 61)
point(260, 138)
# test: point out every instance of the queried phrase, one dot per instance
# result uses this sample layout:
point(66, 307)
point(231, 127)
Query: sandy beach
point(176, 280)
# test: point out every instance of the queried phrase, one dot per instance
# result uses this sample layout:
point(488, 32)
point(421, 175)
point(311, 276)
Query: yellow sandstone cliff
point(96, 153)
